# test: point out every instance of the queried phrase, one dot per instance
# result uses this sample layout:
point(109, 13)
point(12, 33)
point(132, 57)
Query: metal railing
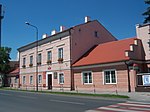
point(61, 88)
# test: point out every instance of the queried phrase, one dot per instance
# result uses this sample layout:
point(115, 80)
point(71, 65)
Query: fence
point(93, 89)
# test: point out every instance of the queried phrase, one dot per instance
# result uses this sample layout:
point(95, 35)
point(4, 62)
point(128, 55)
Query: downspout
point(129, 85)
point(72, 75)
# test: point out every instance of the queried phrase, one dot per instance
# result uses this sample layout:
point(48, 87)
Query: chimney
point(44, 36)
point(87, 19)
point(62, 28)
point(53, 32)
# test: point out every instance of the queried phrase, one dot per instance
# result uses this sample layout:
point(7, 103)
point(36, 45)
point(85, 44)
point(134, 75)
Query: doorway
point(49, 81)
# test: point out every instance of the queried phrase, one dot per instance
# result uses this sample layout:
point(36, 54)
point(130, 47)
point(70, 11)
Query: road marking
point(146, 103)
point(117, 109)
point(138, 105)
point(5, 94)
point(61, 101)
point(125, 107)
point(29, 97)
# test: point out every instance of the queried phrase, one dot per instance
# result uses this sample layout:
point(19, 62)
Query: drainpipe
point(129, 86)
point(72, 75)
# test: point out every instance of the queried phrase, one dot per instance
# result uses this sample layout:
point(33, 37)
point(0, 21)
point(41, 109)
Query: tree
point(4, 63)
point(147, 12)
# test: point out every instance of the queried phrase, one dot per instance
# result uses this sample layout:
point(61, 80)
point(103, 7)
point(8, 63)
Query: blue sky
point(118, 16)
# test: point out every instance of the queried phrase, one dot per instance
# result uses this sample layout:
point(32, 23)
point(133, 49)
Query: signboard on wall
point(146, 80)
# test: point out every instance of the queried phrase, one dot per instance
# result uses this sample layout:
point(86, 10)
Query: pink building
point(87, 57)
point(57, 53)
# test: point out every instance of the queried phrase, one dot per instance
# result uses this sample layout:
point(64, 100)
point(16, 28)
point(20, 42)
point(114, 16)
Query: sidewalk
point(134, 96)
point(138, 96)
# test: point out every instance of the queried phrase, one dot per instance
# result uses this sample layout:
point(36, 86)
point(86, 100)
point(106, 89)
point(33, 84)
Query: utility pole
point(1, 17)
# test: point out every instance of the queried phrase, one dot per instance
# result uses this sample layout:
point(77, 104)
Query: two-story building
point(52, 64)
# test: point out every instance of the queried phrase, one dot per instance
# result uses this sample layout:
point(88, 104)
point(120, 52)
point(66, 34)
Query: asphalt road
point(12, 101)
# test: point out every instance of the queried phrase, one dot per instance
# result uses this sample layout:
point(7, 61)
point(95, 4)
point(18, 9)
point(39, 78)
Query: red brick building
point(110, 66)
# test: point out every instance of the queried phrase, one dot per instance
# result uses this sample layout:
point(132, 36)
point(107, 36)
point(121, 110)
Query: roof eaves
point(45, 40)
point(102, 63)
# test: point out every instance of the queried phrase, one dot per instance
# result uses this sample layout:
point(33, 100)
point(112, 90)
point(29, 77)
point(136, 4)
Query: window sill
point(110, 83)
point(87, 83)
point(61, 83)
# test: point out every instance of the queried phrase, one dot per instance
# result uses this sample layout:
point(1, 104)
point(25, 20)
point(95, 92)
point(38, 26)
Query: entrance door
point(49, 81)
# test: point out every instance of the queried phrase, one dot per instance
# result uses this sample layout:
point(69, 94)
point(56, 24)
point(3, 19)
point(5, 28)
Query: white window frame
point(31, 59)
point(104, 82)
point(30, 79)
point(59, 78)
point(82, 74)
point(24, 61)
point(39, 58)
point(39, 82)
point(23, 79)
point(49, 58)
point(60, 52)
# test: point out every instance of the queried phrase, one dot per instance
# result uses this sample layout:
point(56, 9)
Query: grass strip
point(73, 93)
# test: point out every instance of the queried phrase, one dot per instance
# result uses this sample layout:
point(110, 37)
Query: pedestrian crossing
point(124, 107)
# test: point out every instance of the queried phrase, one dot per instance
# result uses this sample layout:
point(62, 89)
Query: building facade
point(112, 70)
point(87, 57)
point(57, 53)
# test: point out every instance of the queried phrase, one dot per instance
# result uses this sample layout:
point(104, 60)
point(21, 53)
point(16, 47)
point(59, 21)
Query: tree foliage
point(4, 59)
point(147, 12)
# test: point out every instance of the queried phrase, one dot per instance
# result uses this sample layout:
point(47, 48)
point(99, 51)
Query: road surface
point(17, 101)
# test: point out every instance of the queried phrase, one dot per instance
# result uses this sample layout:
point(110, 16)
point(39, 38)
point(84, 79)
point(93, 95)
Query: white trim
point(47, 73)
point(60, 45)
point(131, 48)
point(49, 49)
point(41, 78)
point(103, 77)
point(32, 80)
point(88, 79)
point(25, 79)
point(110, 76)
point(59, 77)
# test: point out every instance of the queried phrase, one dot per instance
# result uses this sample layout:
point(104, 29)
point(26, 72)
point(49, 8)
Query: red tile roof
point(107, 52)
point(16, 71)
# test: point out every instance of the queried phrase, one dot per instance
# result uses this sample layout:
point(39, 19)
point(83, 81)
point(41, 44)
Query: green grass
point(75, 94)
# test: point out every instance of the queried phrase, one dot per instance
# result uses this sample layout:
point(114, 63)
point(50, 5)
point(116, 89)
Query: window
point(60, 53)
point(40, 79)
point(61, 78)
point(31, 59)
point(96, 34)
point(87, 77)
point(109, 76)
point(49, 55)
point(24, 61)
point(31, 79)
point(39, 59)
point(24, 79)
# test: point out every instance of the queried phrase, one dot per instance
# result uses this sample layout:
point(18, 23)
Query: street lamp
point(1, 17)
point(35, 53)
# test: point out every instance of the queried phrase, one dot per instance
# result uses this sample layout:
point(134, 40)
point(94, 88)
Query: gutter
point(72, 75)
